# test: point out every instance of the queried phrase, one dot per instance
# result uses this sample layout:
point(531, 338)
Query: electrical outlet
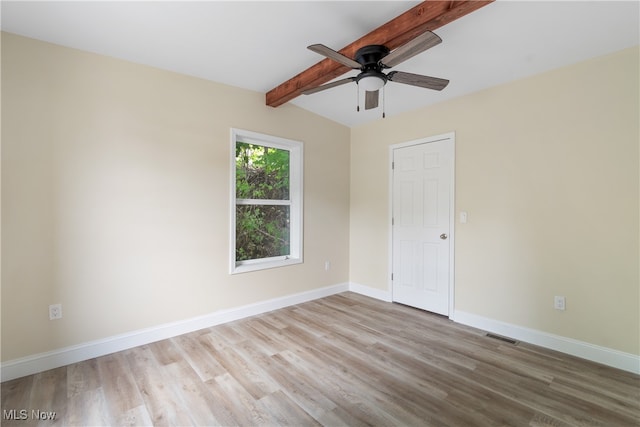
point(559, 303)
point(55, 311)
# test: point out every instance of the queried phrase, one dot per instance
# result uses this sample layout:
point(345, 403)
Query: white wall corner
point(380, 294)
point(606, 356)
point(54, 359)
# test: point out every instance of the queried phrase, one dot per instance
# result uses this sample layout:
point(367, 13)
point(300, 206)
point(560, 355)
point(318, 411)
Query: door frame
point(452, 214)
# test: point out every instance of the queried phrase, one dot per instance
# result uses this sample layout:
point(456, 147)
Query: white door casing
point(422, 223)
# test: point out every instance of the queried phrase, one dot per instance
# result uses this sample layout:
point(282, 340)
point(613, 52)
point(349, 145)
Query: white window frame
point(295, 149)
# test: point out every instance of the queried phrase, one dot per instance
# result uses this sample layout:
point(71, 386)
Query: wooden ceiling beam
point(427, 16)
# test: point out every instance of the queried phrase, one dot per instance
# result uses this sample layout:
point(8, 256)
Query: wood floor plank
point(246, 373)
point(542, 420)
point(48, 396)
point(225, 410)
point(285, 412)
point(88, 408)
point(345, 416)
point(15, 395)
point(168, 351)
point(164, 405)
point(343, 360)
point(266, 333)
point(82, 376)
point(244, 407)
point(138, 416)
point(201, 359)
point(118, 383)
point(296, 386)
point(194, 395)
point(547, 400)
point(599, 392)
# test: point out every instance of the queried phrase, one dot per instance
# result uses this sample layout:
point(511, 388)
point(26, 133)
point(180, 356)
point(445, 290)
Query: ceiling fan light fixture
point(372, 83)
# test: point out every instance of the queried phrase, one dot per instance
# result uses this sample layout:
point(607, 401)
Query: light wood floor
point(341, 360)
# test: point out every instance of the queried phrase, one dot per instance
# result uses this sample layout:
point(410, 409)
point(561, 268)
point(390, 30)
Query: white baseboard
point(606, 356)
point(54, 359)
point(370, 292)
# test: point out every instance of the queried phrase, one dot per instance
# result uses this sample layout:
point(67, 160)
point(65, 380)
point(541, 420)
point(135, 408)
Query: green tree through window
point(263, 206)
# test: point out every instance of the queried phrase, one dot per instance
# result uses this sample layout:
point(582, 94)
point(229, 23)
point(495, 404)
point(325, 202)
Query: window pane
point(262, 231)
point(261, 172)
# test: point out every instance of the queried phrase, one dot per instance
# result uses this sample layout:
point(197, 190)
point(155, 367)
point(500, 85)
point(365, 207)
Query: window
point(266, 194)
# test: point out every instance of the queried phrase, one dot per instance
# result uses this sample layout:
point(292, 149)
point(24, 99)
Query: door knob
point(443, 236)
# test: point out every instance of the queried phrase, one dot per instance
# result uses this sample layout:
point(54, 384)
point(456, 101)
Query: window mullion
point(269, 202)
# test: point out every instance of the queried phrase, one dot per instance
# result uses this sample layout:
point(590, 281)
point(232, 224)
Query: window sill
point(256, 265)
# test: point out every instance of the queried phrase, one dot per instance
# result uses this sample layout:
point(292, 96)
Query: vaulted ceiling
point(260, 45)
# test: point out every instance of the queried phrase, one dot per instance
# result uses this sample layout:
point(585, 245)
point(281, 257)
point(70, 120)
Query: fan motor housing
point(369, 56)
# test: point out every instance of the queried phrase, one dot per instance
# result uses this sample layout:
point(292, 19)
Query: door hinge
point(393, 165)
point(392, 277)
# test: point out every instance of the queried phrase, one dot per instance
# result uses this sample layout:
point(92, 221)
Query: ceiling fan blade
point(371, 99)
point(434, 83)
point(336, 56)
point(328, 86)
point(408, 50)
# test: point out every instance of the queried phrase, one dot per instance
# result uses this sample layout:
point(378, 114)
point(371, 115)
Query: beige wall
point(547, 169)
point(115, 197)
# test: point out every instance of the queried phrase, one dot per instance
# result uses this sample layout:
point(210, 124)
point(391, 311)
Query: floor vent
point(501, 338)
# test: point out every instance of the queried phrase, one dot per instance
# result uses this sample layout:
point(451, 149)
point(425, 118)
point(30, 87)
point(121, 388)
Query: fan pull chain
point(357, 98)
point(384, 98)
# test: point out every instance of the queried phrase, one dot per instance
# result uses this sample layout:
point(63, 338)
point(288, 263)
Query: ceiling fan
point(372, 59)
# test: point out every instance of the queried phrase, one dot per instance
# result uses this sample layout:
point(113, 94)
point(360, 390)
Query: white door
point(421, 225)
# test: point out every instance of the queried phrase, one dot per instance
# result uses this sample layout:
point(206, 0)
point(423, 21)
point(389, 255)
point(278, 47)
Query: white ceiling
point(258, 45)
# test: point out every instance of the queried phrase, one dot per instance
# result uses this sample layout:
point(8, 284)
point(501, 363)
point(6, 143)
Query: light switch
point(463, 217)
